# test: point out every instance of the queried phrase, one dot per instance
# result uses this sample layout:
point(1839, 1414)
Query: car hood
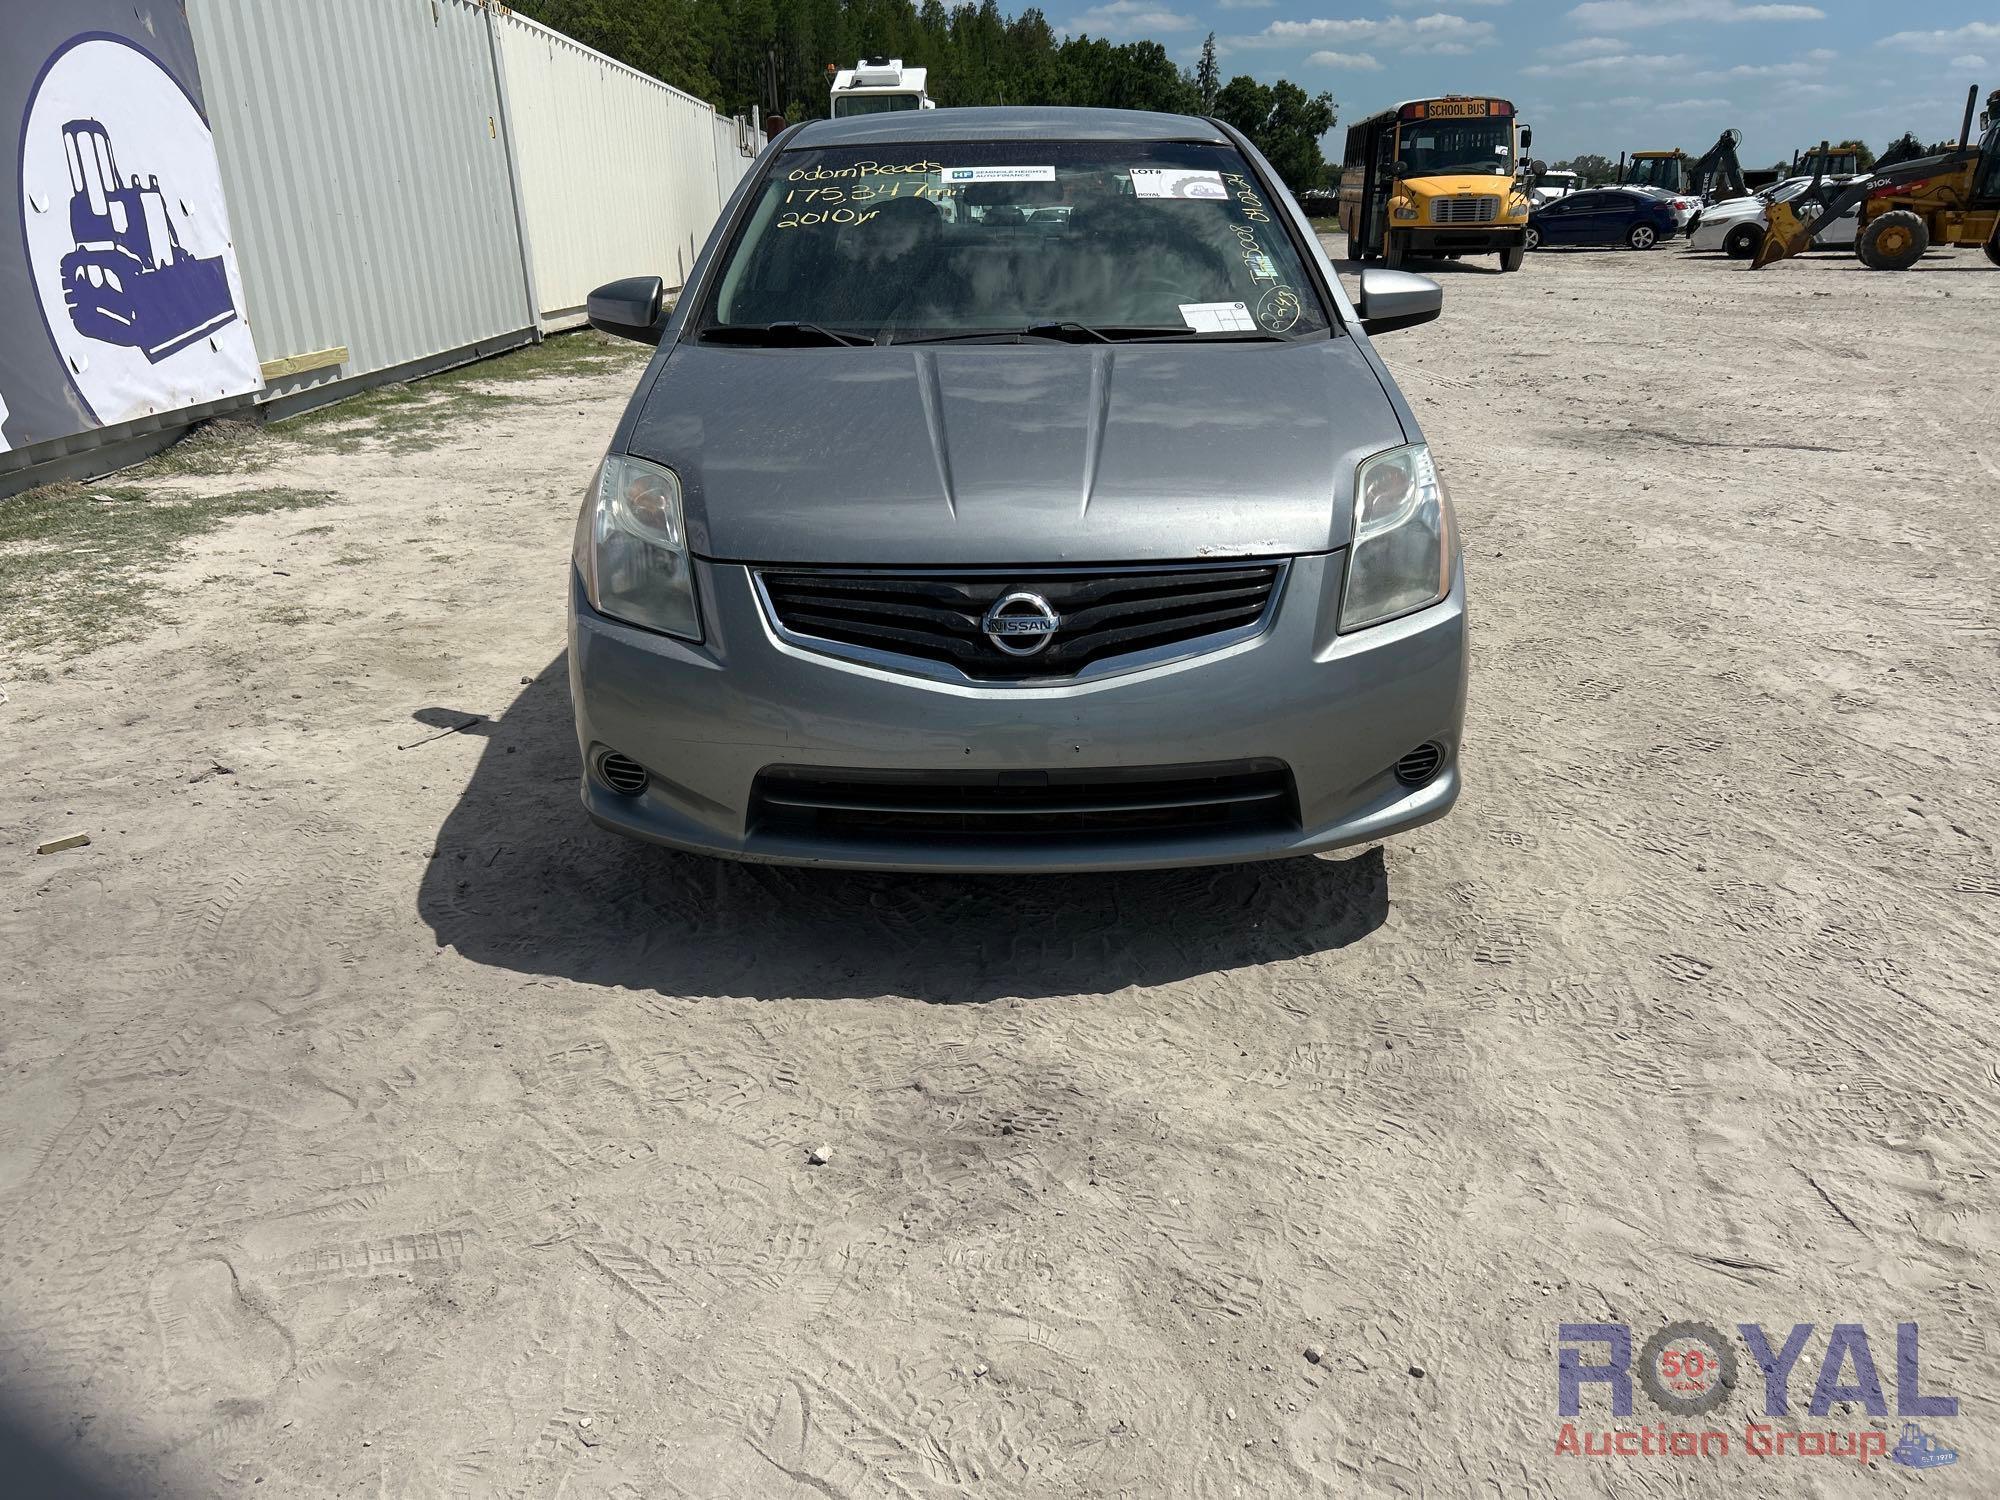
point(1735, 208)
point(1015, 453)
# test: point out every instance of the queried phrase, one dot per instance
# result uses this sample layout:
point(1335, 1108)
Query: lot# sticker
point(1170, 182)
point(127, 237)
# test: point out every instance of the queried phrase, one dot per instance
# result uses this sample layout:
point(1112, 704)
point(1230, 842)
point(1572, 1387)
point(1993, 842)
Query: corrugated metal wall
point(416, 183)
point(368, 180)
point(617, 172)
point(736, 145)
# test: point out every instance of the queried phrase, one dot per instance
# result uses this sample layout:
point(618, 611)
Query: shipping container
point(367, 167)
point(618, 171)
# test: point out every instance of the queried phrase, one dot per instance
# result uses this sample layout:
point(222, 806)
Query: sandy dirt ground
point(374, 1126)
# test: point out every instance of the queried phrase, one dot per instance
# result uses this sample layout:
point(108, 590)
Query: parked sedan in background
point(1737, 227)
point(1603, 216)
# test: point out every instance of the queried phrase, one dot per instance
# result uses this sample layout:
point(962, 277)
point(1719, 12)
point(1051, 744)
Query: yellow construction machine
point(1949, 198)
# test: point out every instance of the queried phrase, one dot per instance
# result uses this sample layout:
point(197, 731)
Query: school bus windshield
point(1439, 148)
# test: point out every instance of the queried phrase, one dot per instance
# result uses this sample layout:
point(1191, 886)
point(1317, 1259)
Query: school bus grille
point(1466, 208)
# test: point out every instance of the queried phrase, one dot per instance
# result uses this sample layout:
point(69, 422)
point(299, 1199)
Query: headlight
point(1400, 558)
point(1402, 208)
point(632, 549)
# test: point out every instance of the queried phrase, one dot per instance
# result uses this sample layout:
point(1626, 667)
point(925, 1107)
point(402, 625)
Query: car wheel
point(1534, 240)
point(1742, 242)
point(1642, 237)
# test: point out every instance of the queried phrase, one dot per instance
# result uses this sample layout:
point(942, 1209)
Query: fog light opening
point(621, 773)
point(1420, 764)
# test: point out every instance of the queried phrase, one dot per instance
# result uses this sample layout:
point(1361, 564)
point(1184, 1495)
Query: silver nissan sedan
point(1016, 489)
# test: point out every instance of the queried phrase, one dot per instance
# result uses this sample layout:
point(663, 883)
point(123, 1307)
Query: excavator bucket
point(1788, 235)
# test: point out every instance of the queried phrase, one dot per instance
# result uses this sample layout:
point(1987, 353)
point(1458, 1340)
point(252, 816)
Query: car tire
point(1742, 242)
point(1533, 240)
point(1894, 242)
point(1510, 260)
point(1642, 236)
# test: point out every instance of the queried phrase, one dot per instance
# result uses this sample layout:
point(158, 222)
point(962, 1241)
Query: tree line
point(775, 53)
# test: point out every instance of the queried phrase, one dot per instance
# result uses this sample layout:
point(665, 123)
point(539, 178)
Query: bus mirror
point(1537, 168)
point(1400, 169)
point(1527, 137)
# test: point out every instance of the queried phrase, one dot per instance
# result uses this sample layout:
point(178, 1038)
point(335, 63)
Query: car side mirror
point(1395, 299)
point(629, 309)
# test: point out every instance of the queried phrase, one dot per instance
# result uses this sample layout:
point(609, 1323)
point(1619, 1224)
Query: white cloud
point(1761, 70)
point(1440, 33)
point(1821, 54)
point(1248, 4)
point(1697, 104)
point(1969, 60)
point(1360, 62)
point(1129, 18)
point(1958, 39)
point(1619, 62)
point(1615, 15)
point(1419, 4)
point(1587, 46)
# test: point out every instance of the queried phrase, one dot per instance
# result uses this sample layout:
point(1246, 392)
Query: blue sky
point(1608, 75)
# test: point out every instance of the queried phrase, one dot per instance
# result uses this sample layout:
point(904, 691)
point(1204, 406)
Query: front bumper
point(705, 720)
point(1476, 241)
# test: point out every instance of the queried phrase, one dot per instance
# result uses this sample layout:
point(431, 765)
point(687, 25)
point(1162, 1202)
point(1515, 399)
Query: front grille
point(1102, 613)
point(1234, 796)
point(1466, 208)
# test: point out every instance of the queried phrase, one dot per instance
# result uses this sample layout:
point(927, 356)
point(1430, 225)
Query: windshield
point(1433, 148)
point(871, 104)
point(1656, 171)
point(915, 239)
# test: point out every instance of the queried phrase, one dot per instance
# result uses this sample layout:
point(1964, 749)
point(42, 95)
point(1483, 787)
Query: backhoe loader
point(1948, 198)
point(1715, 176)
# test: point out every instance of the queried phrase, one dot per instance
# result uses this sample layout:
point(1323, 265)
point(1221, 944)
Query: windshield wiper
point(776, 335)
point(1080, 333)
point(1067, 332)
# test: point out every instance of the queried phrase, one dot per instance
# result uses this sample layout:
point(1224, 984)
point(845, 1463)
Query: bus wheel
point(1511, 260)
point(1395, 251)
point(1356, 251)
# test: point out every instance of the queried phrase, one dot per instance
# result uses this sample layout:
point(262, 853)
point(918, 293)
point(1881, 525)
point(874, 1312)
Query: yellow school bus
point(1437, 177)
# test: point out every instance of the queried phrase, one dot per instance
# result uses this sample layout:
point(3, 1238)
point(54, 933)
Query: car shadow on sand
point(521, 879)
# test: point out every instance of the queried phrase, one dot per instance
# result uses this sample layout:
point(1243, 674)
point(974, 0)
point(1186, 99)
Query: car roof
point(1004, 124)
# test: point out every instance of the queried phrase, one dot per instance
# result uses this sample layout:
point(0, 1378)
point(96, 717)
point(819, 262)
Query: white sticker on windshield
point(1218, 317)
point(998, 174)
point(1171, 182)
